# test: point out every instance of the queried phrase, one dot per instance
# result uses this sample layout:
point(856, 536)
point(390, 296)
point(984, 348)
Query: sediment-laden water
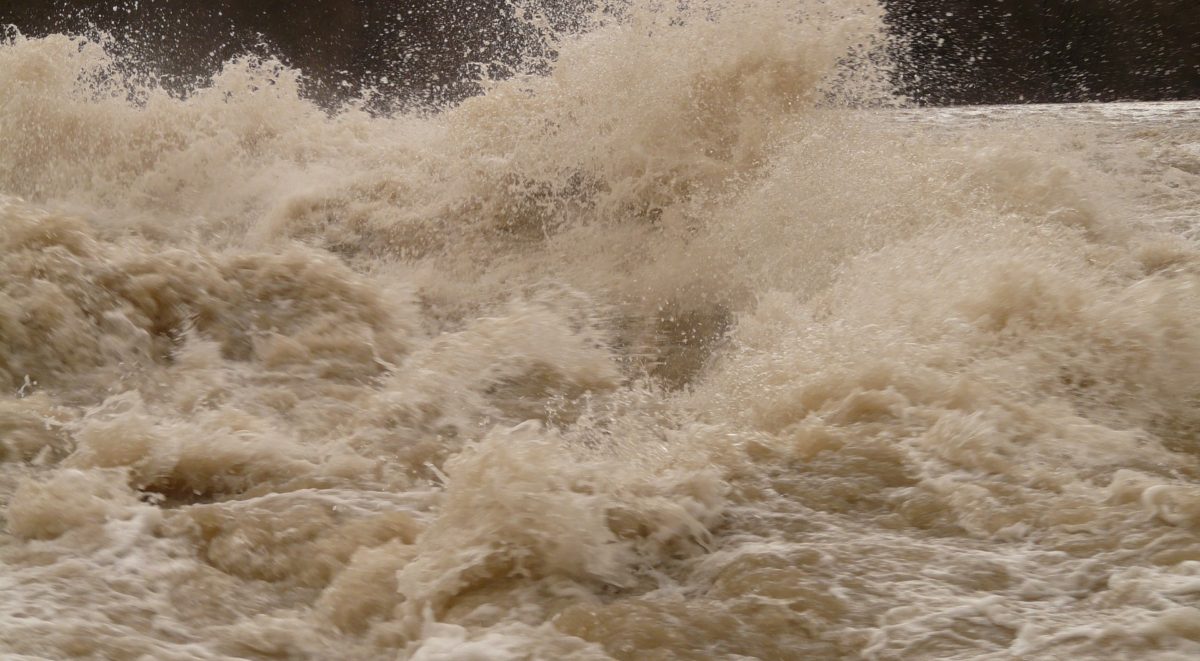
point(689, 346)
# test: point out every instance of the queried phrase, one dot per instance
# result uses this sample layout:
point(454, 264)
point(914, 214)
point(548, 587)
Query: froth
point(683, 347)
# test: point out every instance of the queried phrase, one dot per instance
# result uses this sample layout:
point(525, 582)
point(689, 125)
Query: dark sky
point(956, 51)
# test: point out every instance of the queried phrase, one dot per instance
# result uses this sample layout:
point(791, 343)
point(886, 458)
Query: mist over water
point(697, 344)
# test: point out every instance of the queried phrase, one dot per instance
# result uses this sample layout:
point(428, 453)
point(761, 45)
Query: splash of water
point(685, 346)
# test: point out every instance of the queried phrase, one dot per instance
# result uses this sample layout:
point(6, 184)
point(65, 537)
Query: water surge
point(690, 343)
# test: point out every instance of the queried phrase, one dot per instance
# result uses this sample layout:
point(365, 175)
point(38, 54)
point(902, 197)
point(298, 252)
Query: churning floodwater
point(689, 345)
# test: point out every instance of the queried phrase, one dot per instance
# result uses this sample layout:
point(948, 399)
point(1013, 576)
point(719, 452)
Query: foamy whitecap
point(687, 346)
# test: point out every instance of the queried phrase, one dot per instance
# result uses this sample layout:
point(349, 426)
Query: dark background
point(420, 51)
point(1006, 51)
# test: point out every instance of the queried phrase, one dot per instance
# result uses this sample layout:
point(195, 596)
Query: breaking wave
point(692, 344)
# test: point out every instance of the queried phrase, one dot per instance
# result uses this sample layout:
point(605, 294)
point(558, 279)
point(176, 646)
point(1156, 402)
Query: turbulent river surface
point(683, 347)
